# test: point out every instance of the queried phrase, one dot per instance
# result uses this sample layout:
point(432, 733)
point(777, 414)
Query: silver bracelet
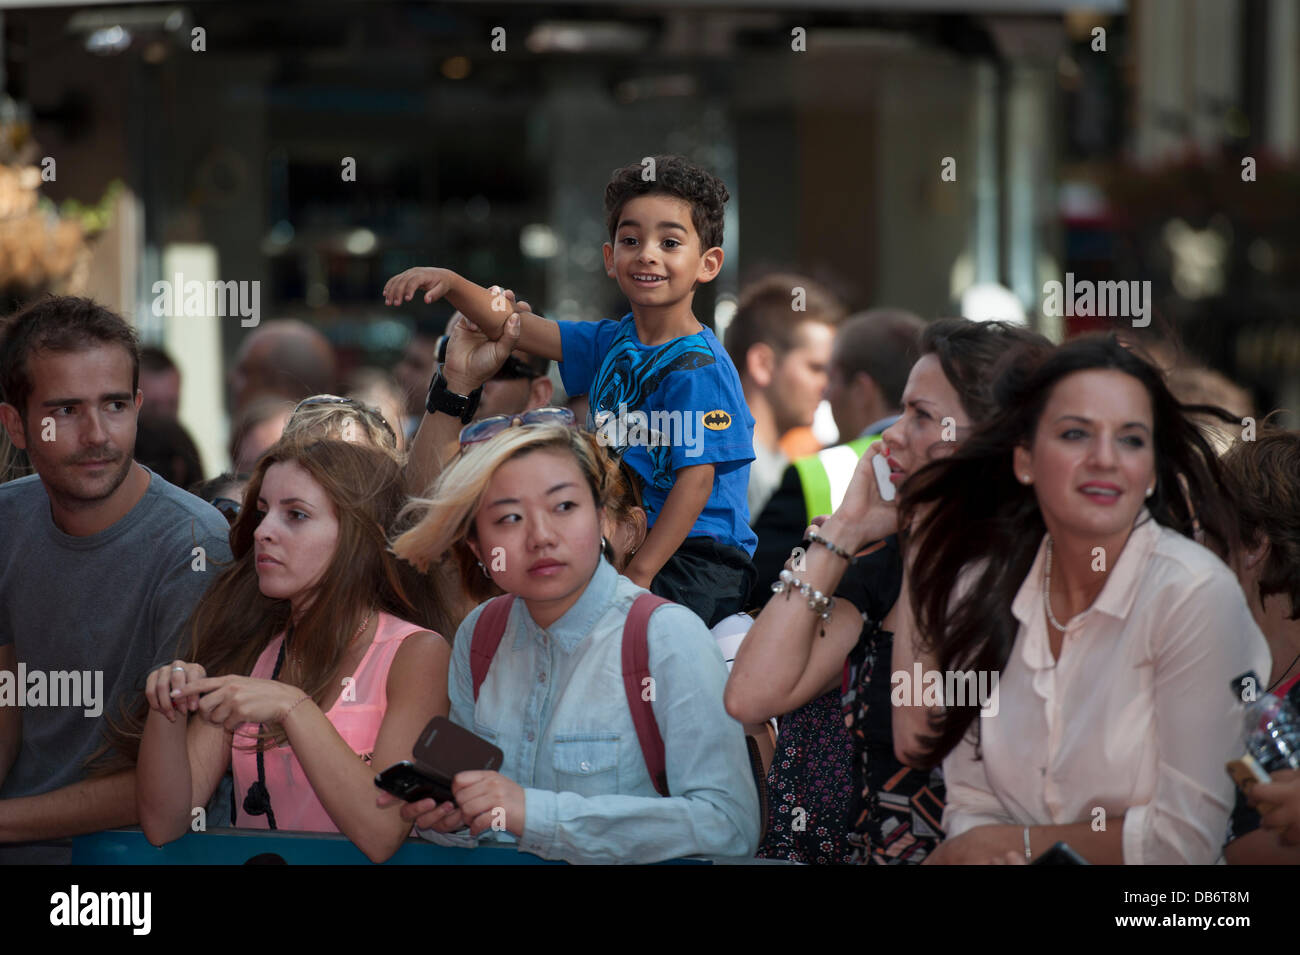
point(818, 602)
point(1029, 856)
point(831, 546)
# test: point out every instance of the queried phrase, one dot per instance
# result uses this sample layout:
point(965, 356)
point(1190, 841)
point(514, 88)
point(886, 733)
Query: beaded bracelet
point(831, 546)
point(818, 602)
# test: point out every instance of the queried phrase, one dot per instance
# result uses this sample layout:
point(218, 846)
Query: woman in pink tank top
point(306, 666)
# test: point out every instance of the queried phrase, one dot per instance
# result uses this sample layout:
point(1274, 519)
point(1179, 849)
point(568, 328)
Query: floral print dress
point(836, 792)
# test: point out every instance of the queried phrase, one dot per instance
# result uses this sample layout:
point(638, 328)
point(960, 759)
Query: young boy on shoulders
point(658, 381)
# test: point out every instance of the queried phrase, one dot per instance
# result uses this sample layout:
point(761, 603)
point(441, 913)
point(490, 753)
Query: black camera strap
point(258, 800)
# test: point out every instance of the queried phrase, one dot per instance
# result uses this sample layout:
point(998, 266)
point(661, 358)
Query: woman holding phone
point(821, 672)
point(306, 668)
point(524, 504)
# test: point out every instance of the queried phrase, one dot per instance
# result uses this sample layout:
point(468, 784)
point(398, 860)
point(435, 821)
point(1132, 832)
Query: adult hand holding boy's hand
point(473, 357)
point(401, 287)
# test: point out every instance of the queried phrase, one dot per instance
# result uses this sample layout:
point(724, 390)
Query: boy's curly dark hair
point(673, 176)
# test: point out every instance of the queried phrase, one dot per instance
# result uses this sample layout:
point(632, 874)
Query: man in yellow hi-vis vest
point(870, 361)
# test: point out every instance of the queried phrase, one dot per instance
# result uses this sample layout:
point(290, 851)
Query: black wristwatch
point(448, 402)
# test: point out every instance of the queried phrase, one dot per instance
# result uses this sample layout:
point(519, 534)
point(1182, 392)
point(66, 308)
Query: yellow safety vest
point(825, 476)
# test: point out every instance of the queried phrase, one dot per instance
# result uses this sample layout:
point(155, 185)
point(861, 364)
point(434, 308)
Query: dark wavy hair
point(674, 176)
point(971, 353)
point(968, 512)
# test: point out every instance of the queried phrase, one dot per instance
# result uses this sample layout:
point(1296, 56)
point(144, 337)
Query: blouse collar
point(1116, 599)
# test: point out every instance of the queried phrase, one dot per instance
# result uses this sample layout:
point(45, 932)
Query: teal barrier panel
point(238, 846)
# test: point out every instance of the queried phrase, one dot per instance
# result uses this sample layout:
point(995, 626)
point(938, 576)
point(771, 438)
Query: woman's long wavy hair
point(234, 621)
point(969, 515)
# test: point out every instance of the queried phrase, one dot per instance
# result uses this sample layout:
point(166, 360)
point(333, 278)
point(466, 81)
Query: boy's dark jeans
point(712, 579)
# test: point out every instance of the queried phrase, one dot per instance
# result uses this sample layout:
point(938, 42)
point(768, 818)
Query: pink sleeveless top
point(356, 715)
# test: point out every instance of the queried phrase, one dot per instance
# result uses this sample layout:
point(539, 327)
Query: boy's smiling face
point(656, 256)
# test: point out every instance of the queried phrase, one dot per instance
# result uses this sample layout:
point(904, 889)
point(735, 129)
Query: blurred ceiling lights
point(538, 241)
point(560, 36)
point(109, 32)
point(360, 242)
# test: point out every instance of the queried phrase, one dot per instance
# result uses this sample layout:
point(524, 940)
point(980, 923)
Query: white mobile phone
point(887, 489)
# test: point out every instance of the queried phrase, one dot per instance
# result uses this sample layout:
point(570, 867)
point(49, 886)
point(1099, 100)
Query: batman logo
point(717, 421)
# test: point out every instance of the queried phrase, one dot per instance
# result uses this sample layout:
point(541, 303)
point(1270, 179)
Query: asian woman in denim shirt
point(526, 507)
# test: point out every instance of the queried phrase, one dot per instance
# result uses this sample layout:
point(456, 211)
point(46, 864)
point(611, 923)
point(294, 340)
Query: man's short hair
point(766, 314)
point(58, 323)
point(882, 342)
point(297, 360)
point(674, 176)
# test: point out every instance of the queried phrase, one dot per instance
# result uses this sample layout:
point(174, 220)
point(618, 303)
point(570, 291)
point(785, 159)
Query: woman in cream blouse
point(1058, 549)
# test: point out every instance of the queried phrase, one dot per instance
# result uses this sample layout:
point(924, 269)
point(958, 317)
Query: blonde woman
point(524, 505)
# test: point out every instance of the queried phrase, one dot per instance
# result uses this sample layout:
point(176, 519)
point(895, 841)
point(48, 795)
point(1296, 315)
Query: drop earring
point(1151, 490)
point(485, 570)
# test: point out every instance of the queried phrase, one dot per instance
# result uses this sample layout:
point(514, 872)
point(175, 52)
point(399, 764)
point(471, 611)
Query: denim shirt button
point(541, 678)
point(586, 766)
point(530, 736)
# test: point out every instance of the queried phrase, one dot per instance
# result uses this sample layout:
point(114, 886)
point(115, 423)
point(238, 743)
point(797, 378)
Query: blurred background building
point(213, 139)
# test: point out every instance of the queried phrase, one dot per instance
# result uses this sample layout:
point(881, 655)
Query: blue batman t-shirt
point(670, 406)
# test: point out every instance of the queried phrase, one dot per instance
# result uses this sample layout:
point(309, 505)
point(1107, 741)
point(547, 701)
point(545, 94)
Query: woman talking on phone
point(859, 802)
point(305, 670)
point(524, 504)
point(1055, 550)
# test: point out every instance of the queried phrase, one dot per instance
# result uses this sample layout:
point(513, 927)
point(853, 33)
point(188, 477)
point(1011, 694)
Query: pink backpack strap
point(636, 669)
point(488, 631)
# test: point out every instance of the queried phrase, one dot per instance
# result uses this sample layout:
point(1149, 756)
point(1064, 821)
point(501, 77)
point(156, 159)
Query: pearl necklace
point(1047, 589)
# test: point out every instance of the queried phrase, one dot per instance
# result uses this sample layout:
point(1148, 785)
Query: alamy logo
point(1085, 298)
point(951, 688)
point(75, 907)
point(84, 688)
point(195, 299)
point(658, 429)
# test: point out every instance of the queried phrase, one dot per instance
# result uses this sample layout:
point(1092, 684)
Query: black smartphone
point(443, 750)
point(1060, 854)
point(405, 781)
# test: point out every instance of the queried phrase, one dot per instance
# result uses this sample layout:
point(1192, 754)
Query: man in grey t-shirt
point(101, 564)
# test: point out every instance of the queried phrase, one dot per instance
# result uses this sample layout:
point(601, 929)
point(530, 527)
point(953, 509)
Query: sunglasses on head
point(372, 413)
point(228, 507)
point(477, 431)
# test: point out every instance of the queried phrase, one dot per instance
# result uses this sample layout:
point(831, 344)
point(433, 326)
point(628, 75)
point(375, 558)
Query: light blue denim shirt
point(554, 702)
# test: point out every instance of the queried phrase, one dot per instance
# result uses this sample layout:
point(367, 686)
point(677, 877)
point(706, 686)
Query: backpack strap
point(488, 631)
point(636, 669)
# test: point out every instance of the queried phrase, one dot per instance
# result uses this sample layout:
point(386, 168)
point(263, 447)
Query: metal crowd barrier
point(252, 847)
